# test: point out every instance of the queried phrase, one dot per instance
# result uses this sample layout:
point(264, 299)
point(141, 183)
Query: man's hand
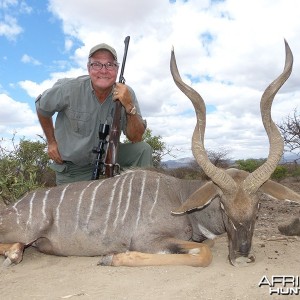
point(121, 93)
point(54, 153)
point(135, 126)
point(47, 125)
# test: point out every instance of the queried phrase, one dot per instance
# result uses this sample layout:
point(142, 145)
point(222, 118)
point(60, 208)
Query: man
point(82, 104)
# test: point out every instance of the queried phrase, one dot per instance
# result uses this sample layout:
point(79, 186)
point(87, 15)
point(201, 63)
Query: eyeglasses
point(97, 66)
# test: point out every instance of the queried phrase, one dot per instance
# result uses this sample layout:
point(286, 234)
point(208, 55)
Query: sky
point(229, 51)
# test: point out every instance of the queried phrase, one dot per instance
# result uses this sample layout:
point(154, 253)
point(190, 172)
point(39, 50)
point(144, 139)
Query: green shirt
point(79, 114)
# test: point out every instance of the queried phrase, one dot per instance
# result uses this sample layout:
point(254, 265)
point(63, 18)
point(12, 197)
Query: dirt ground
point(41, 276)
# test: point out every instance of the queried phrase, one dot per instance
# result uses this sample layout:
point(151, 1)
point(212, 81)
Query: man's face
point(102, 79)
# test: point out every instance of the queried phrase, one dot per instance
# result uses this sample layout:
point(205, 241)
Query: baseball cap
point(104, 46)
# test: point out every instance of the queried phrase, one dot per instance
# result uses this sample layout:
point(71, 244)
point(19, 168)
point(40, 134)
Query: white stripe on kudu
point(140, 200)
point(79, 205)
point(128, 197)
point(119, 201)
point(58, 206)
point(156, 196)
point(93, 202)
point(16, 210)
point(30, 210)
point(110, 201)
point(44, 207)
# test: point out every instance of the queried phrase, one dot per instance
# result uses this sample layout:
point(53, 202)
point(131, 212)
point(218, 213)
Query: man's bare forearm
point(135, 128)
point(47, 126)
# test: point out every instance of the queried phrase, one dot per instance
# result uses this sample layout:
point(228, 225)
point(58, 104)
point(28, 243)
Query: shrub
point(280, 173)
point(250, 164)
point(22, 169)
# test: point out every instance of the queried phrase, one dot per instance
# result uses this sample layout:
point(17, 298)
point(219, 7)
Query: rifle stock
point(111, 166)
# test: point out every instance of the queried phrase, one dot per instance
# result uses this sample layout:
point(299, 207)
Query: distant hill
point(186, 161)
point(289, 157)
point(178, 163)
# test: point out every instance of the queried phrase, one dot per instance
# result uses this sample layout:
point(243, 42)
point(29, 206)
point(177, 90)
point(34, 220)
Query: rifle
point(110, 164)
point(99, 166)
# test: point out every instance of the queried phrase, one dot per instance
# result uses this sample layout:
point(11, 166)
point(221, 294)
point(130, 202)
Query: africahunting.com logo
point(281, 284)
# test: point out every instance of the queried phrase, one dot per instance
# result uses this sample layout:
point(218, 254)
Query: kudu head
point(239, 195)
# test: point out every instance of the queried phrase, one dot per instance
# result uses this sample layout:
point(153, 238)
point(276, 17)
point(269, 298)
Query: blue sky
point(32, 51)
point(229, 51)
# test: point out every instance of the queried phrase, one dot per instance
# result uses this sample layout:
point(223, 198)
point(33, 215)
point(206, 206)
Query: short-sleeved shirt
point(79, 114)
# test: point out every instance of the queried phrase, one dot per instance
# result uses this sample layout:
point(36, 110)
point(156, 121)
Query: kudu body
point(127, 219)
point(130, 212)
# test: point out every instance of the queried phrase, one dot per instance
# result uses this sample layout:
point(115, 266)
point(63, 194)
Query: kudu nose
point(244, 248)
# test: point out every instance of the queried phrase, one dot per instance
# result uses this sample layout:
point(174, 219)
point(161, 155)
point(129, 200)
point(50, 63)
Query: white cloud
point(15, 114)
point(25, 8)
point(33, 89)
point(26, 59)
point(18, 121)
point(68, 44)
point(4, 4)
point(9, 27)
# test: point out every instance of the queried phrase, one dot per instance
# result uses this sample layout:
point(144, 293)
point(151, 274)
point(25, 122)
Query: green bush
point(22, 169)
point(250, 164)
point(280, 173)
point(296, 172)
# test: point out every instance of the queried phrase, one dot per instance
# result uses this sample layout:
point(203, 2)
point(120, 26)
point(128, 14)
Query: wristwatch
point(132, 112)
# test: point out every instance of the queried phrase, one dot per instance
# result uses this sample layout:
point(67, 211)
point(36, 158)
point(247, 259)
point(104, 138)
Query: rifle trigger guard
point(115, 168)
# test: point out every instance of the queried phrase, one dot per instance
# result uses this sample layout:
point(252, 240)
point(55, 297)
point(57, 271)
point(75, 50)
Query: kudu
point(127, 219)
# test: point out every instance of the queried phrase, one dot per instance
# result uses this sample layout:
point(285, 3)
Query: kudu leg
point(12, 252)
point(189, 254)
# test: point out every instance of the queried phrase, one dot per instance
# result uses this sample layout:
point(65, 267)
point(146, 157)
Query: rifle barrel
point(112, 167)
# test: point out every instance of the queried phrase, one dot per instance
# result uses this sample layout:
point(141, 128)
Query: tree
point(250, 164)
point(23, 168)
point(219, 158)
point(159, 147)
point(290, 130)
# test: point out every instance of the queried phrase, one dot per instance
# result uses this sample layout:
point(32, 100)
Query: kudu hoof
point(105, 260)
point(292, 228)
point(243, 261)
point(14, 254)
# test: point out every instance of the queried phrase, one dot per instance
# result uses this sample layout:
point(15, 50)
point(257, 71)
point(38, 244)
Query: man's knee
point(145, 147)
point(146, 155)
point(135, 155)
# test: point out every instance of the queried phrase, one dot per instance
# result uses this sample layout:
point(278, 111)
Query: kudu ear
point(279, 191)
point(200, 198)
